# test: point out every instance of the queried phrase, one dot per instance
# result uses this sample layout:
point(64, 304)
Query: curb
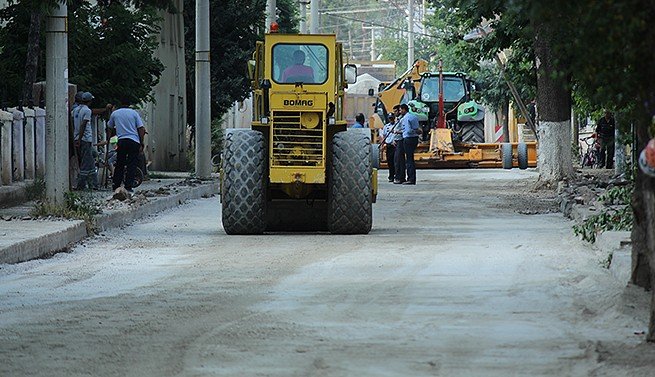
point(44, 245)
point(123, 217)
point(13, 195)
point(56, 241)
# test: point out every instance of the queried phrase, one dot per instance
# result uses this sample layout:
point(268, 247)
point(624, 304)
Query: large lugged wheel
point(243, 191)
point(522, 155)
point(350, 193)
point(473, 132)
point(506, 155)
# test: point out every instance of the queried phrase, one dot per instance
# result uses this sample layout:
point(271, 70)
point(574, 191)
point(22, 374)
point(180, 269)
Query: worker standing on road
point(359, 121)
point(83, 140)
point(386, 140)
point(411, 132)
point(605, 132)
point(131, 132)
point(399, 155)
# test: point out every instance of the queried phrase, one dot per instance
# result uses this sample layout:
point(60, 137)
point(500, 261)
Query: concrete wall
point(22, 145)
point(239, 115)
point(166, 118)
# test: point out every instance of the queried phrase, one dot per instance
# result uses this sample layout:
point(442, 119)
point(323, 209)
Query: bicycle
point(107, 168)
point(590, 158)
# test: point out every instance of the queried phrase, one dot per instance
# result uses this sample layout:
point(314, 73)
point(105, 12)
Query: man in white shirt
point(131, 132)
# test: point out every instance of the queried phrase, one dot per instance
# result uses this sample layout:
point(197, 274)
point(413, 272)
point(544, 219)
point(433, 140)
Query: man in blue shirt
point(131, 132)
point(411, 132)
point(359, 121)
point(399, 155)
point(83, 140)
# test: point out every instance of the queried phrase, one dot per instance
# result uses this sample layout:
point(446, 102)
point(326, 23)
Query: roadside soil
point(468, 273)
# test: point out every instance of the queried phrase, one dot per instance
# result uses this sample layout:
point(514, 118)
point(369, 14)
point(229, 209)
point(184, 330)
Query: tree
point(533, 27)
point(616, 71)
point(553, 93)
point(112, 51)
point(110, 54)
point(232, 41)
point(605, 50)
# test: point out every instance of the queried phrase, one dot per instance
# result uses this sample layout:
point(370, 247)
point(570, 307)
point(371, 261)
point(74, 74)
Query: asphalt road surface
point(465, 274)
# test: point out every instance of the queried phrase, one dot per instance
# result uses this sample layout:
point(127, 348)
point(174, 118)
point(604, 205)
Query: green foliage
point(110, 50)
point(618, 216)
point(217, 136)
point(232, 41)
point(75, 207)
point(287, 16)
point(609, 219)
point(35, 190)
point(13, 51)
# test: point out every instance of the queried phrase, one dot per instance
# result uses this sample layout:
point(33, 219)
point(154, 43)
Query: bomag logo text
point(298, 102)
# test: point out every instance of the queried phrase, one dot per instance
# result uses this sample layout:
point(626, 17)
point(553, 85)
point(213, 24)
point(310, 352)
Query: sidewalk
point(23, 237)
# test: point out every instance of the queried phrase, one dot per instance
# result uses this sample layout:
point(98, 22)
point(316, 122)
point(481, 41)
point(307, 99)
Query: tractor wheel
point(243, 191)
point(473, 132)
point(522, 155)
point(506, 155)
point(350, 194)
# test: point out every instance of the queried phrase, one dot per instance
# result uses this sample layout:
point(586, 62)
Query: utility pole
point(56, 171)
point(203, 92)
point(313, 9)
point(303, 16)
point(270, 14)
point(350, 45)
point(410, 34)
point(374, 53)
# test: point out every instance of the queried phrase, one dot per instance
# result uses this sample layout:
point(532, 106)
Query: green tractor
point(449, 94)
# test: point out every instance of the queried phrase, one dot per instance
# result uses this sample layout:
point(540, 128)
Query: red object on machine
point(275, 27)
point(441, 119)
point(650, 153)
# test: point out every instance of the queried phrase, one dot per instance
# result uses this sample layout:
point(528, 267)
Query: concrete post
point(374, 54)
point(620, 164)
point(56, 173)
point(313, 10)
point(410, 34)
point(303, 17)
point(6, 121)
point(94, 128)
point(271, 5)
point(18, 145)
point(30, 170)
point(203, 92)
point(39, 141)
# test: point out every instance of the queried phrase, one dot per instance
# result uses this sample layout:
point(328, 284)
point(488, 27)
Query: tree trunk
point(504, 118)
point(641, 274)
point(643, 228)
point(554, 101)
point(32, 59)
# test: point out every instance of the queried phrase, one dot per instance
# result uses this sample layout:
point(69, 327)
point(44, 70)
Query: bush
point(617, 217)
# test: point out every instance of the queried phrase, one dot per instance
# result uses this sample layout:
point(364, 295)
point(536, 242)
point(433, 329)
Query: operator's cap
point(87, 96)
point(113, 140)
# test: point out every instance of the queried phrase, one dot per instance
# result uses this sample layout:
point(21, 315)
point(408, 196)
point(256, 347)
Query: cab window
point(300, 63)
point(453, 89)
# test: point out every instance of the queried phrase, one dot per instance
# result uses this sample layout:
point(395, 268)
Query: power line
point(384, 26)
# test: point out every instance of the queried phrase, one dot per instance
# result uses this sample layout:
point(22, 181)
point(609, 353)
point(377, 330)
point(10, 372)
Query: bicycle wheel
point(138, 177)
